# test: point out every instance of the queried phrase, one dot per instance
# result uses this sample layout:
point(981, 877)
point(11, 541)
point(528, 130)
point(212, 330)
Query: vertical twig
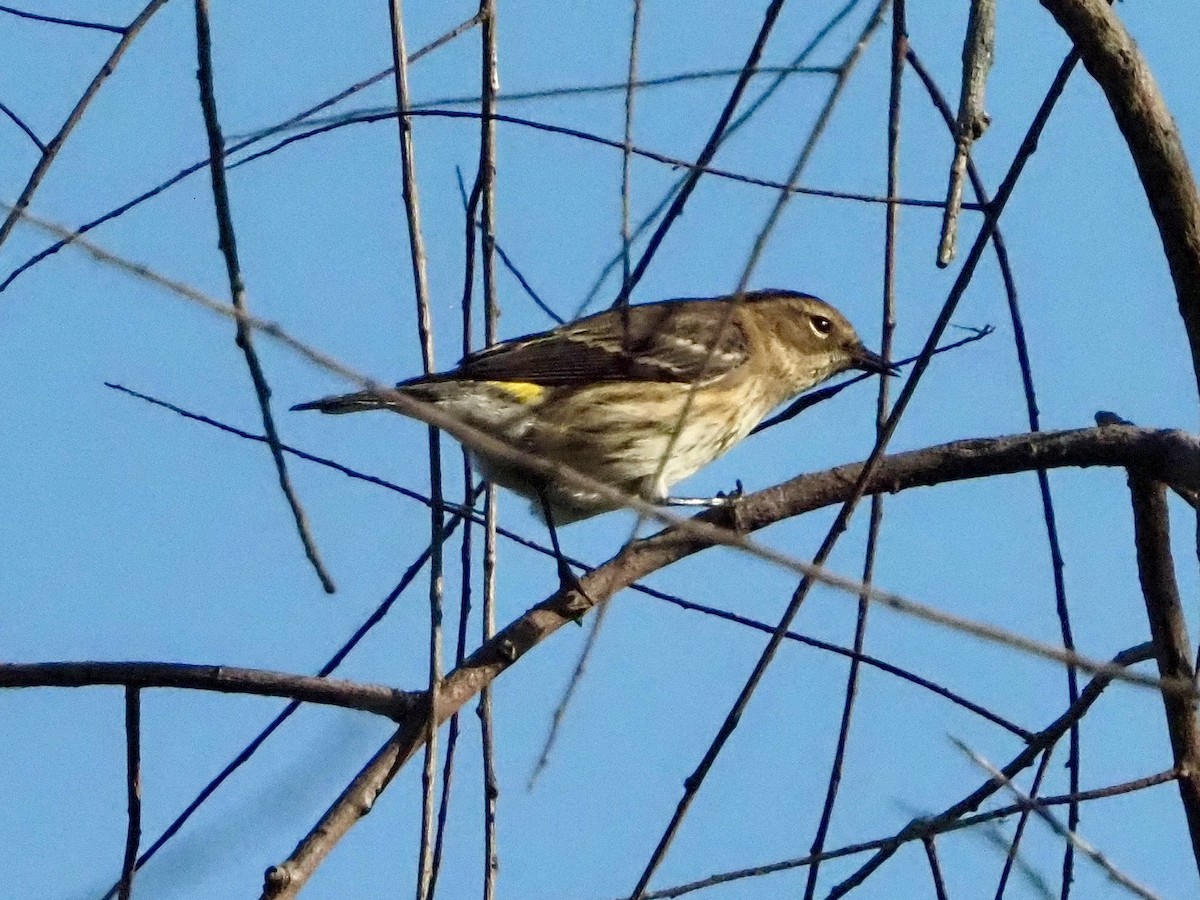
point(694, 781)
point(887, 330)
point(416, 243)
point(1168, 631)
point(133, 788)
point(733, 128)
point(1028, 145)
point(1031, 405)
point(487, 190)
point(935, 868)
point(51, 151)
point(237, 289)
point(491, 787)
point(1011, 855)
point(597, 621)
point(972, 121)
point(706, 155)
point(627, 153)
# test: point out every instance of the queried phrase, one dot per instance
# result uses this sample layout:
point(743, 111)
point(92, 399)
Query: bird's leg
point(722, 499)
point(728, 502)
point(567, 579)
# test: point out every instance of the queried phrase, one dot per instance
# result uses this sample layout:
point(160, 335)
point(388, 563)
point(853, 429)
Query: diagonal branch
point(56, 143)
point(1114, 60)
point(237, 288)
point(1167, 455)
point(706, 155)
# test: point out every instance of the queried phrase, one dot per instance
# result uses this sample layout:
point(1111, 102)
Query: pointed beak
point(869, 361)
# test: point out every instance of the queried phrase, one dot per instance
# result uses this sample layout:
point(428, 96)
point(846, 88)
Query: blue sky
point(134, 534)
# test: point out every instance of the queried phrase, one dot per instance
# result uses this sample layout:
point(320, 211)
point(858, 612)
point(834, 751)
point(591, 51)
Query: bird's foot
point(569, 584)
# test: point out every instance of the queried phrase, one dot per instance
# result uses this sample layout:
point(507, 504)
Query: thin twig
point(613, 87)
point(56, 143)
point(942, 827)
point(1048, 512)
point(416, 245)
point(371, 698)
point(1114, 874)
point(1012, 852)
point(590, 137)
point(597, 623)
point(133, 788)
point(1049, 516)
point(864, 658)
point(29, 133)
point(887, 330)
point(812, 398)
point(694, 781)
point(706, 155)
point(491, 784)
point(489, 91)
point(568, 694)
point(237, 289)
point(55, 20)
point(232, 148)
point(935, 869)
point(635, 32)
point(978, 47)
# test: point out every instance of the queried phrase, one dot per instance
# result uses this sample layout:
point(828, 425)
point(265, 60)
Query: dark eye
point(821, 325)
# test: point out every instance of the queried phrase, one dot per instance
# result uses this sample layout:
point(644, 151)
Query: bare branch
point(383, 701)
point(954, 818)
point(1113, 59)
point(29, 132)
point(1160, 452)
point(416, 246)
point(899, 43)
point(55, 20)
point(1114, 874)
point(1168, 630)
point(133, 788)
point(237, 289)
point(56, 143)
point(972, 120)
point(233, 148)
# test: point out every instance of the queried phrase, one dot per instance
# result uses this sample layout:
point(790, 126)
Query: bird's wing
point(648, 342)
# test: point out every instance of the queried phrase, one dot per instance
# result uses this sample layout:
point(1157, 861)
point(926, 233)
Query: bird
point(638, 397)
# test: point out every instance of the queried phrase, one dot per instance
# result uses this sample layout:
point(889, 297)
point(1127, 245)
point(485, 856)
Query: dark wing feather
point(650, 342)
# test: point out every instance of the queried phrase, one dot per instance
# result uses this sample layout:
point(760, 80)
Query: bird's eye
point(821, 325)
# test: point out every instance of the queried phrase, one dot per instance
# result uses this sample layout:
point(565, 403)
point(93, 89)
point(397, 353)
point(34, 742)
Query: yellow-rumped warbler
point(606, 394)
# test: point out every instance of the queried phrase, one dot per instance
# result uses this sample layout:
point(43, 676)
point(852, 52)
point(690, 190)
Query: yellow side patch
point(521, 391)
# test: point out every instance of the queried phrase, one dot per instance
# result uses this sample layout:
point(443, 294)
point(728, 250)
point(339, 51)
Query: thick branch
point(1168, 630)
point(372, 698)
point(1169, 455)
point(1113, 59)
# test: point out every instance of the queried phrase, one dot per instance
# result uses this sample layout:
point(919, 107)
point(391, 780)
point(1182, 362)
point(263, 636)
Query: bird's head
point(817, 339)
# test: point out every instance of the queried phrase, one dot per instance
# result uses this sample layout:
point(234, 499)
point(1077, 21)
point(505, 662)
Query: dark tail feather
point(346, 403)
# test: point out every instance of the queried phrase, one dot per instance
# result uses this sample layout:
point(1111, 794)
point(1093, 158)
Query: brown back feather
point(666, 341)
